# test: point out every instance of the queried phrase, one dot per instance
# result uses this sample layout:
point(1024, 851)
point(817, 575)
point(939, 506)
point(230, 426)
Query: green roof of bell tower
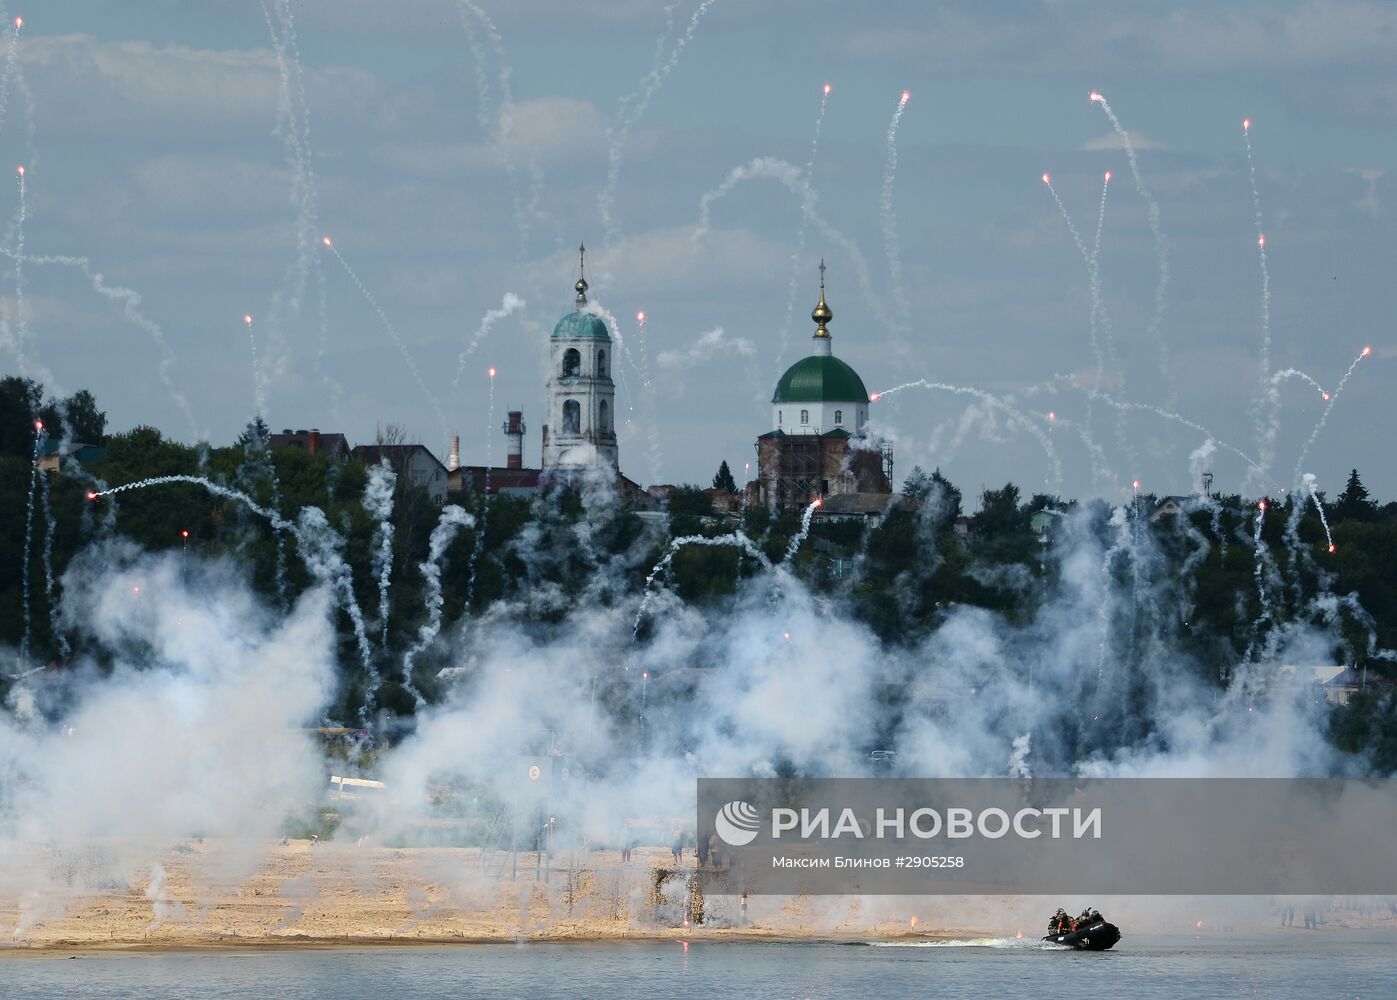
point(579, 324)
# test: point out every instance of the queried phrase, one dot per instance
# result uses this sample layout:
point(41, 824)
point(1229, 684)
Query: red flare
point(91, 495)
point(1135, 484)
point(1331, 546)
point(1051, 416)
point(184, 533)
point(785, 635)
point(873, 396)
point(1018, 936)
point(640, 316)
point(1261, 506)
point(1095, 95)
point(1047, 178)
point(326, 241)
point(1366, 351)
point(1261, 240)
point(828, 88)
point(492, 373)
point(19, 23)
point(1246, 124)
point(1108, 177)
point(247, 318)
point(906, 96)
point(20, 169)
point(818, 502)
point(1324, 394)
point(38, 425)
point(645, 676)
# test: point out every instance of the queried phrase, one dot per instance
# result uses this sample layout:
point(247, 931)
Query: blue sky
point(152, 149)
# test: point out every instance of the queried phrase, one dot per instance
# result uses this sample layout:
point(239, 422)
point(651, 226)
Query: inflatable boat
point(1096, 937)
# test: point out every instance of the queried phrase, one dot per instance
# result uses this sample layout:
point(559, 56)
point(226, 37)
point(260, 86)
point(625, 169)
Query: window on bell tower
point(572, 363)
point(601, 364)
point(572, 417)
point(838, 417)
point(805, 416)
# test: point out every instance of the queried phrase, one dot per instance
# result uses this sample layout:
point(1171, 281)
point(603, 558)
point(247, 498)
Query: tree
point(949, 494)
point(917, 485)
point(255, 436)
point(691, 500)
point(723, 480)
point(1354, 504)
point(999, 510)
point(77, 418)
point(20, 399)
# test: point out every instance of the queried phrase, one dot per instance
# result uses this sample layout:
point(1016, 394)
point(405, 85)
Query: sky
point(195, 152)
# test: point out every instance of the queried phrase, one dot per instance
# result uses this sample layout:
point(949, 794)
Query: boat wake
point(979, 942)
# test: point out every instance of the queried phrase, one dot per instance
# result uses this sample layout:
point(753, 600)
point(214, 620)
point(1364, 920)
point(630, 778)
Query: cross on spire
point(822, 313)
point(581, 285)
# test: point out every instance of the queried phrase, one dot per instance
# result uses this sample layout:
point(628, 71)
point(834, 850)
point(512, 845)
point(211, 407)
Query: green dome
point(819, 379)
point(581, 325)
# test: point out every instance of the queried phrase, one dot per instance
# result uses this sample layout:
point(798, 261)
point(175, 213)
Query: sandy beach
point(202, 894)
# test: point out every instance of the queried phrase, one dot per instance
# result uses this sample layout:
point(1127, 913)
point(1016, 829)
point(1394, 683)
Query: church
point(820, 446)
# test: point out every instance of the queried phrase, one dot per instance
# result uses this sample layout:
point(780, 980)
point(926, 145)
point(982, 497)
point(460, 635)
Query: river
point(1321, 965)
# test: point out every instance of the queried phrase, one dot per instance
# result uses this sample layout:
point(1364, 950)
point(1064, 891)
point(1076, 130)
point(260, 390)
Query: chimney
point(453, 461)
point(313, 441)
point(514, 440)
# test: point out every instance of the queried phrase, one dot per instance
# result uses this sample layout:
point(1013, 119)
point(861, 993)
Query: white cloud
point(1113, 140)
point(1205, 38)
point(89, 85)
point(707, 346)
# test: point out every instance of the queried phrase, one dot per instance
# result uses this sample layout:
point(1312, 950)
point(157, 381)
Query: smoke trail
point(484, 498)
point(737, 540)
point(1289, 373)
point(1121, 525)
point(1098, 314)
point(259, 391)
point(1018, 760)
point(994, 401)
point(392, 333)
point(378, 501)
point(322, 550)
point(783, 335)
point(11, 51)
point(130, 302)
point(452, 520)
point(647, 398)
point(1333, 399)
point(510, 304)
point(630, 111)
point(524, 215)
point(1264, 572)
point(889, 217)
point(1266, 422)
point(804, 532)
point(1161, 250)
point(1184, 421)
point(28, 534)
point(1308, 489)
point(272, 517)
point(790, 176)
point(50, 525)
point(293, 126)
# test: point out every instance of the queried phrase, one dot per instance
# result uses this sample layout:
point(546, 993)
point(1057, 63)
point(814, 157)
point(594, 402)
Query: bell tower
point(581, 428)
